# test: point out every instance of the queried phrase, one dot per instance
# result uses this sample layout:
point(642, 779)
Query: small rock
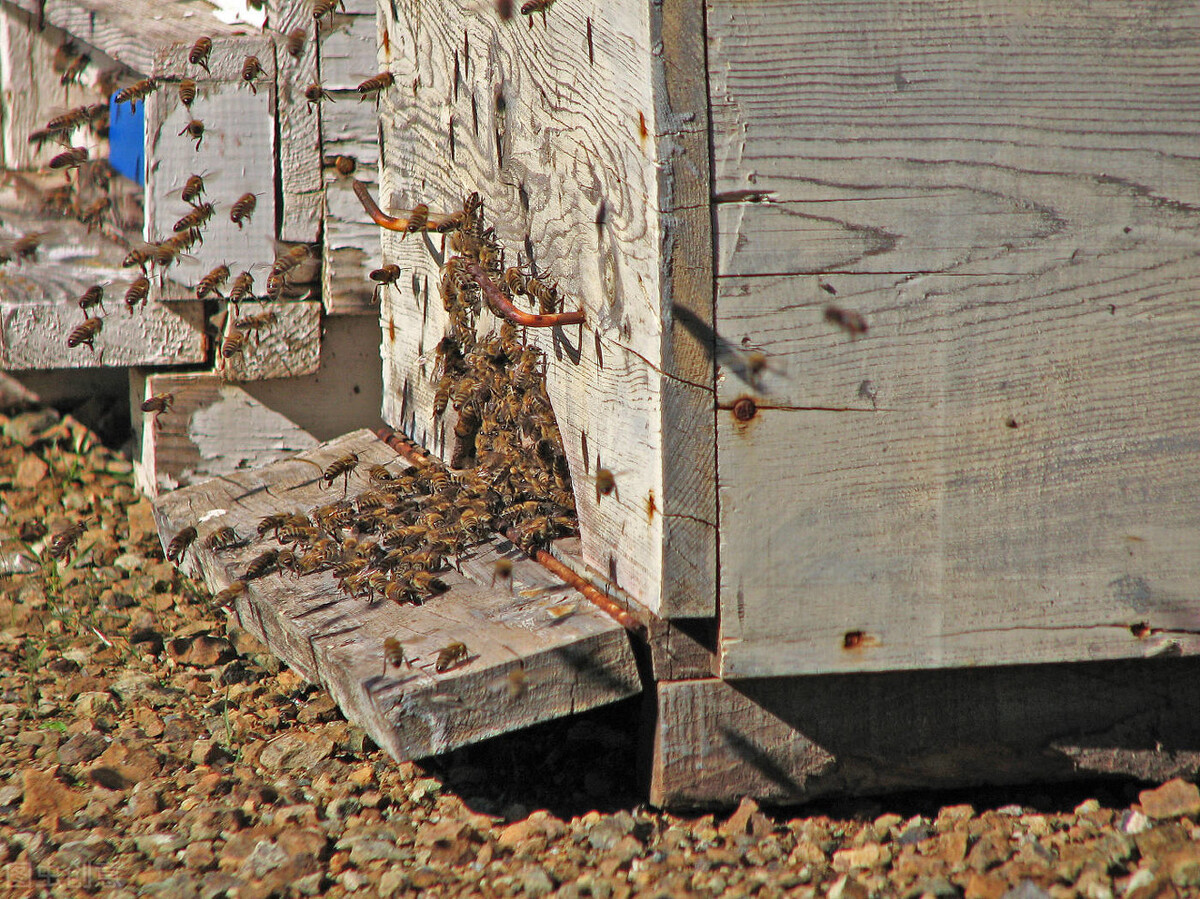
point(1183, 865)
point(535, 882)
point(30, 472)
point(177, 886)
point(872, 855)
point(139, 688)
point(82, 747)
point(937, 887)
point(144, 801)
point(1143, 877)
point(1134, 822)
point(353, 880)
point(310, 884)
point(1027, 889)
point(847, 887)
point(45, 796)
point(206, 752)
point(141, 521)
point(94, 704)
point(393, 881)
point(1173, 799)
point(133, 761)
point(265, 857)
point(747, 819)
point(202, 651)
point(295, 750)
point(152, 844)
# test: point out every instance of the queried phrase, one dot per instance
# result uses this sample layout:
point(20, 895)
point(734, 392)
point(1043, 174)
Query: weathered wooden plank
point(579, 662)
point(235, 156)
point(348, 51)
point(39, 298)
point(301, 190)
point(351, 247)
point(217, 427)
point(566, 147)
point(225, 61)
point(289, 346)
point(796, 739)
point(996, 471)
point(132, 31)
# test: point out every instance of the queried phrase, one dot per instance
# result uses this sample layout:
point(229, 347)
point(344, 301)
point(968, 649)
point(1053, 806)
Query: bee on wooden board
point(516, 682)
point(853, 323)
point(295, 42)
point(199, 52)
point(243, 209)
point(135, 92)
point(195, 130)
point(180, 544)
point(222, 539)
point(197, 218)
point(93, 296)
point(251, 69)
point(342, 467)
point(187, 93)
point(375, 85)
point(322, 8)
point(234, 343)
point(212, 282)
point(393, 654)
point(86, 333)
point(531, 7)
point(241, 289)
point(451, 656)
point(137, 293)
point(261, 565)
point(158, 404)
point(256, 322)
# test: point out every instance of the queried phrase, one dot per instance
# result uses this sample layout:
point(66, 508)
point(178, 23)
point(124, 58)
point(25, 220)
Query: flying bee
point(212, 282)
point(63, 542)
point(340, 467)
point(70, 159)
point(94, 212)
point(255, 323)
point(295, 42)
point(167, 252)
point(67, 122)
point(606, 483)
point(26, 246)
point(503, 570)
point(516, 682)
point(451, 656)
point(375, 85)
point(137, 293)
point(251, 69)
point(853, 323)
point(243, 209)
point(187, 93)
point(197, 218)
point(227, 596)
point(158, 404)
point(322, 8)
point(199, 52)
point(180, 543)
point(315, 94)
point(44, 136)
point(138, 256)
point(195, 130)
point(86, 333)
point(389, 274)
point(222, 539)
point(93, 296)
point(136, 91)
point(192, 189)
point(291, 259)
point(275, 284)
point(234, 343)
point(241, 288)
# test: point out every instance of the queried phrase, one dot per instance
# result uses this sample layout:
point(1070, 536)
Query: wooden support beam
point(794, 739)
point(523, 665)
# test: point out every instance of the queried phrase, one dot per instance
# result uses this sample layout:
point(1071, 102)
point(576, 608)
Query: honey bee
point(63, 125)
point(195, 130)
point(197, 218)
point(212, 282)
point(94, 212)
point(389, 274)
point(227, 596)
point(63, 542)
point(199, 52)
point(167, 252)
point(158, 404)
point(375, 85)
point(187, 93)
point(70, 159)
point(138, 256)
point(452, 656)
point(261, 565)
point(251, 69)
point(86, 333)
point(322, 8)
point(192, 189)
point(289, 260)
point(243, 209)
point(530, 7)
point(93, 296)
point(851, 322)
point(137, 293)
point(275, 284)
point(606, 483)
point(180, 543)
point(255, 322)
point(545, 294)
point(503, 570)
point(241, 288)
point(234, 343)
point(418, 218)
point(393, 654)
point(26, 246)
point(295, 42)
point(222, 539)
point(136, 91)
point(516, 682)
point(315, 94)
point(339, 468)
point(273, 522)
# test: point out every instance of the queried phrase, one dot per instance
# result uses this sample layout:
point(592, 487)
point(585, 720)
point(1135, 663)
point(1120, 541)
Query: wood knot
point(745, 409)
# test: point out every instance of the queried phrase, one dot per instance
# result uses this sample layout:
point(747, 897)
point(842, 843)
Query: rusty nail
point(744, 409)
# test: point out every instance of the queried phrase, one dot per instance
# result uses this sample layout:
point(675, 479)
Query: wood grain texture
point(236, 156)
point(1001, 469)
point(39, 299)
point(132, 31)
point(579, 663)
point(567, 150)
point(348, 51)
point(793, 739)
point(352, 246)
point(289, 346)
point(300, 185)
point(217, 427)
point(225, 61)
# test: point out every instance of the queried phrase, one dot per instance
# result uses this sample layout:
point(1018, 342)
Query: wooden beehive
point(887, 348)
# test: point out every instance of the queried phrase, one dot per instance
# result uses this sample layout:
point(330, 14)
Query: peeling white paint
point(237, 432)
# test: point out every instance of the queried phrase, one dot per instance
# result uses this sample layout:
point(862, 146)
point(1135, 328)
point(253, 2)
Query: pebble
point(295, 750)
point(1173, 799)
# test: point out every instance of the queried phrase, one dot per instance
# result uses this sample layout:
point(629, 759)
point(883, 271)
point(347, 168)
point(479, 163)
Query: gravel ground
point(148, 746)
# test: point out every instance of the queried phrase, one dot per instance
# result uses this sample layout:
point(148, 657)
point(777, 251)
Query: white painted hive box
point(890, 312)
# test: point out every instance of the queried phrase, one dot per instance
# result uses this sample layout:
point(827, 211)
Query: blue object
point(127, 139)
